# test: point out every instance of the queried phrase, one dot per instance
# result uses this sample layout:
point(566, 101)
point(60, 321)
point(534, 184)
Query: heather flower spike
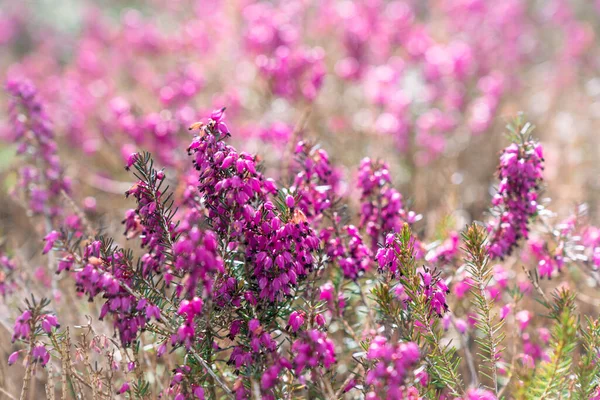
point(516, 203)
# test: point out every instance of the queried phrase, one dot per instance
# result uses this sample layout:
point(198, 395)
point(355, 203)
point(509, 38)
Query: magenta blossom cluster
point(315, 185)
point(29, 327)
point(446, 252)
point(27, 323)
point(194, 251)
point(181, 387)
point(311, 350)
point(434, 289)
point(520, 175)
point(591, 240)
point(315, 182)
point(7, 269)
point(228, 181)
point(295, 74)
point(279, 245)
point(292, 70)
point(43, 180)
point(382, 207)
point(281, 252)
point(348, 250)
point(479, 394)
point(196, 256)
point(392, 365)
point(260, 342)
point(108, 272)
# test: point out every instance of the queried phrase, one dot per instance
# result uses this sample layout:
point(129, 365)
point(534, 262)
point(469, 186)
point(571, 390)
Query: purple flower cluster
point(315, 182)
point(280, 252)
point(293, 71)
point(392, 365)
point(260, 343)
point(279, 245)
point(311, 350)
point(295, 74)
point(7, 268)
point(154, 131)
point(591, 240)
point(196, 255)
point(228, 181)
point(382, 207)
point(479, 394)
point(315, 185)
point(28, 327)
point(106, 272)
point(186, 333)
point(148, 219)
point(446, 252)
point(520, 174)
point(182, 385)
point(348, 250)
point(43, 180)
point(434, 289)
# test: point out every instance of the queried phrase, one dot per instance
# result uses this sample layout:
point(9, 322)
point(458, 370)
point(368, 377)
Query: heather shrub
point(283, 200)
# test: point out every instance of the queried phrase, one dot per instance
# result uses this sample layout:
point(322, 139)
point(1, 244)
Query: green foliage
point(519, 130)
point(478, 266)
point(550, 380)
point(588, 368)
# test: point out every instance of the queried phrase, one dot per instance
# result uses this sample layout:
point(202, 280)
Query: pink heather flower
point(504, 311)
point(382, 207)
point(162, 349)
point(520, 175)
point(293, 73)
point(461, 288)
point(289, 201)
point(124, 388)
point(199, 393)
point(316, 183)
point(270, 377)
point(131, 159)
point(346, 248)
point(22, 328)
point(296, 320)
point(320, 320)
point(445, 253)
point(523, 317)
point(421, 376)
point(327, 292)
point(446, 321)
point(253, 326)
point(49, 322)
point(43, 180)
point(313, 349)
point(236, 197)
point(50, 239)
point(13, 358)
point(544, 335)
point(40, 354)
point(461, 325)
point(392, 362)
point(479, 394)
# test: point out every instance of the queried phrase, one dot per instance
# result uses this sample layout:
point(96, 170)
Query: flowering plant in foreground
point(230, 284)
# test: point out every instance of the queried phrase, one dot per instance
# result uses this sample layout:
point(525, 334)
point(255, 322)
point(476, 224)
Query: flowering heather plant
point(333, 229)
